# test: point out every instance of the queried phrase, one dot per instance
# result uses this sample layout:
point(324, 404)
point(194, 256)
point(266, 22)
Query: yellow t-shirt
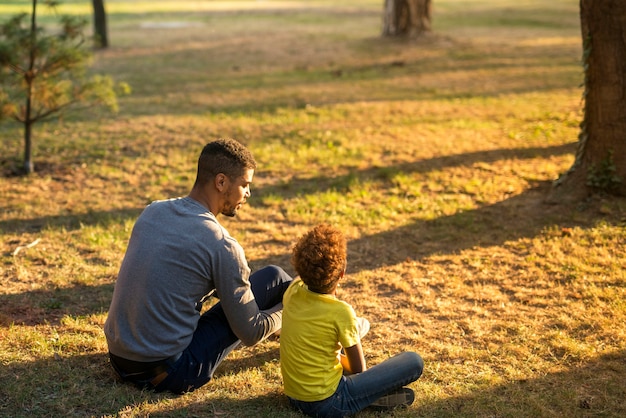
point(315, 327)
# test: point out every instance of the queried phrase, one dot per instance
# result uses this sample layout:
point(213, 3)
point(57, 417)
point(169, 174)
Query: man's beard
point(231, 212)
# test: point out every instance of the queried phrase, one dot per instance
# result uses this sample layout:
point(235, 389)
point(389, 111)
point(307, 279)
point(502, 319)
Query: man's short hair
point(226, 156)
point(320, 257)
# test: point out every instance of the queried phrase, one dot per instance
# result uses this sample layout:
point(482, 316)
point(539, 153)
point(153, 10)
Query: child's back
point(315, 327)
point(319, 379)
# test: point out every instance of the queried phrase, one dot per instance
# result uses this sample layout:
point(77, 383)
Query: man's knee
point(275, 270)
point(273, 274)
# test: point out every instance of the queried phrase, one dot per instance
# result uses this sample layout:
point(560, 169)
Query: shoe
point(397, 398)
point(275, 335)
point(363, 325)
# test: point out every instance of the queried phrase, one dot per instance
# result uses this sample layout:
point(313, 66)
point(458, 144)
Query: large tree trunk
point(406, 18)
point(600, 163)
point(100, 24)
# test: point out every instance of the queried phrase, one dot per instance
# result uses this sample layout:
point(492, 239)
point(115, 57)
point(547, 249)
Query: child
point(319, 379)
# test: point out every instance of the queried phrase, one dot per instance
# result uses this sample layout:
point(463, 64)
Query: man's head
point(227, 166)
point(225, 156)
point(320, 258)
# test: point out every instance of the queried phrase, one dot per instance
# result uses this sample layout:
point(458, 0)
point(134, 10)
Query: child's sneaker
point(363, 325)
point(397, 398)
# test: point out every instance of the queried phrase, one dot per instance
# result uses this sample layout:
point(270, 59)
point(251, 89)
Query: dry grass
point(434, 156)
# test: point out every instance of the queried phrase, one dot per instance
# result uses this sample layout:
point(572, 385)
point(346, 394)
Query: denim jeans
point(213, 339)
point(358, 391)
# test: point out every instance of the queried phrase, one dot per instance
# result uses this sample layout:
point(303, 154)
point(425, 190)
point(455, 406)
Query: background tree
point(100, 24)
point(600, 162)
point(408, 18)
point(41, 75)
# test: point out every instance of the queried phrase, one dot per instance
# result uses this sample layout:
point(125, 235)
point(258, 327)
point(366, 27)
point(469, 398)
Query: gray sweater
point(177, 253)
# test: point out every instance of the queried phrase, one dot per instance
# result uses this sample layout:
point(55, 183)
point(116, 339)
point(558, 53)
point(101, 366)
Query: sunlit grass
point(433, 156)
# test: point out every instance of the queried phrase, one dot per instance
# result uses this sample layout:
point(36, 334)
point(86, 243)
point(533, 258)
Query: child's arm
point(353, 361)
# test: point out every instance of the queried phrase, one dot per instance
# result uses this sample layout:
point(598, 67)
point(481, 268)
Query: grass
point(434, 156)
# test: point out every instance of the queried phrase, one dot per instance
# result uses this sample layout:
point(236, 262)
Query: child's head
point(319, 257)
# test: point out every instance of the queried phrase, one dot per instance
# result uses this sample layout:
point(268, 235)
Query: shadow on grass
point(85, 385)
point(60, 386)
point(49, 306)
point(69, 222)
point(297, 186)
point(270, 405)
point(239, 77)
point(523, 215)
point(593, 388)
point(291, 87)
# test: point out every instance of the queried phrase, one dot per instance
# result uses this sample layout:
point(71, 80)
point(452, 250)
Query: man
point(178, 255)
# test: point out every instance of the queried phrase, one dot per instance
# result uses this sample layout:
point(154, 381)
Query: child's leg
point(363, 389)
point(358, 391)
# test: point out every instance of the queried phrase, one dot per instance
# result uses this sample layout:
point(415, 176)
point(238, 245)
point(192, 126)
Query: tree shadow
point(294, 186)
point(86, 385)
point(49, 306)
point(294, 87)
point(591, 388)
point(60, 386)
point(234, 78)
point(69, 222)
point(523, 215)
point(270, 405)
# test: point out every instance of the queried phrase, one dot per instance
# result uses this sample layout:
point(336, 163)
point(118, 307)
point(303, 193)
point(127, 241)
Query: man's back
point(168, 267)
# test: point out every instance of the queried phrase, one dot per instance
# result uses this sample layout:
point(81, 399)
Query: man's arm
point(231, 276)
point(247, 321)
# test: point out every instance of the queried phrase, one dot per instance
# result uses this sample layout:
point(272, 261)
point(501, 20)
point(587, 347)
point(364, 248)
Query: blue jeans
point(213, 339)
point(358, 391)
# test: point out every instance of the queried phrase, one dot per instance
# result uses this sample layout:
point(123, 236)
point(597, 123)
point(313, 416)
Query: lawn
point(435, 156)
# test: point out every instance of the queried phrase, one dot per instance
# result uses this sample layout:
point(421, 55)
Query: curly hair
point(320, 258)
point(226, 156)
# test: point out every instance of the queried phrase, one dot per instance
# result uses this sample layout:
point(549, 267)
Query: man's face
point(237, 192)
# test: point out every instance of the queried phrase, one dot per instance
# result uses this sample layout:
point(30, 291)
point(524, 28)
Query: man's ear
point(220, 182)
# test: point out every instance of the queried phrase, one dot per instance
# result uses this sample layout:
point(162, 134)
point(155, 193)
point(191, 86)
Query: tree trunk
point(100, 24)
point(600, 163)
point(406, 18)
point(29, 166)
